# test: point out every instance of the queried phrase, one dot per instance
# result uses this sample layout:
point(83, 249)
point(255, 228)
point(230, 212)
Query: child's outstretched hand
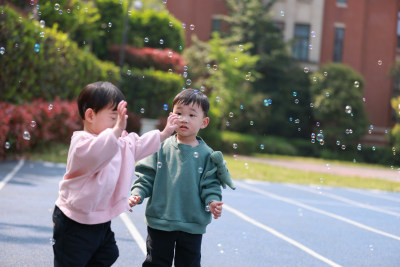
point(170, 127)
point(216, 208)
point(133, 200)
point(120, 125)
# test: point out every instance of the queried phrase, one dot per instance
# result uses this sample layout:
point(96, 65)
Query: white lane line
point(346, 200)
point(375, 193)
point(281, 236)
point(332, 215)
point(11, 174)
point(134, 232)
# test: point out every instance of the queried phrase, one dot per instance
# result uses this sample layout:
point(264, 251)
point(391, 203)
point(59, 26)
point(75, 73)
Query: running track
point(263, 224)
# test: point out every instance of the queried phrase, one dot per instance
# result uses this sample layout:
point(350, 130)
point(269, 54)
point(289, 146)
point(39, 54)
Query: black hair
point(192, 96)
point(97, 96)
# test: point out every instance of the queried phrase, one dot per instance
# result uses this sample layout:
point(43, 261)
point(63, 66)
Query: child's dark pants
point(76, 244)
point(161, 246)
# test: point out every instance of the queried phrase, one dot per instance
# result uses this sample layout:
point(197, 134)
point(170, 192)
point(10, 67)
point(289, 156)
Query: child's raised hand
point(133, 200)
point(170, 127)
point(120, 125)
point(216, 208)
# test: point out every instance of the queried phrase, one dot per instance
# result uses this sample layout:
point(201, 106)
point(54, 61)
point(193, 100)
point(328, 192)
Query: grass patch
point(241, 169)
point(53, 152)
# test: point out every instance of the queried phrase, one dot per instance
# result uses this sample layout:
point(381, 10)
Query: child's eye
point(192, 115)
point(178, 113)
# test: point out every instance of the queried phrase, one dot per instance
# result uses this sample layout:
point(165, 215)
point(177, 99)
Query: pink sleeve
point(146, 144)
point(88, 154)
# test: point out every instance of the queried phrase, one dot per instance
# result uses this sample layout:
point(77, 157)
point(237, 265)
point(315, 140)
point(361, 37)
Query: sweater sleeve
point(146, 172)
point(146, 144)
point(210, 185)
point(88, 154)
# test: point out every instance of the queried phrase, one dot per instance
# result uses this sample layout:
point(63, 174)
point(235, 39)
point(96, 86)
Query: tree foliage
point(338, 105)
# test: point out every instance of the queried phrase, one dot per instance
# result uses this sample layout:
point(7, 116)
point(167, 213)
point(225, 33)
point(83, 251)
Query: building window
point(338, 45)
point(341, 3)
point(398, 30)
point(216, 25)
point(301, 41)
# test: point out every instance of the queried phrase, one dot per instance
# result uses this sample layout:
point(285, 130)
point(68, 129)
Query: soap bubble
point(348, 109)
point(235, 146)
point(159, 164)
point(7, 145)
point(56, 6)
point(26, 135)
point(195, 155)
point(165, 107)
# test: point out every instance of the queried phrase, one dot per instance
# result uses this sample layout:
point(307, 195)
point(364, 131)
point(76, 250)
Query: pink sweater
point(100, 171)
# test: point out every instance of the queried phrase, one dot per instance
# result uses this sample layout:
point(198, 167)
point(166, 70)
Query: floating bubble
point(50, 107)
point(26, 135)
point(235, 59)
point(246, 165)
point(215, 67)
point(327, 94)
point(146, 39)
point(325, 73)
point(294, 94)
point(356, 84)
point(348, 109)
point(7, 145)
point(338, 143)
point(282, 13)
point(109, 25)
point(235, 146)
point(33, 124)
point(373, 148)
point(188, 81)
point(161, 41)
point(241, 47)
point(296, 101)
point(241, 107)
point(297, 121)
point(192, 27)
point(371, 127)
point(142, 110)
point(183, 25)
point(315, 79)
point(2, 50)
point(343, 147)
point(266, 102)
point(200, 170)
point(68, 10)
point(262, 146)
point(311, 105)
point(218, 99)
point(36, 48)
point(185, 68)
point(60, 12)
point(169, 70)
point(165, 107)
point(380, 62)
point(42, 23)
point(195, 155)
point(313, 34)
point(56, 6)
point(129, 13)
point(247, 77)
point(159, 164)
point(312, 140)
point(171, 24)
point(41, 34)
point(251, 123)
point(202, 88)
point(306, 69)
point(310, 46)
point(312, 135)
point(129, 72)
point(317, 123)
point(320, 137)
point(231, 114)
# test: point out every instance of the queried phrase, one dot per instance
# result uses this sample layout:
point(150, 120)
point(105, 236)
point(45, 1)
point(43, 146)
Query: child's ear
point(89, 114)
point(205, 122)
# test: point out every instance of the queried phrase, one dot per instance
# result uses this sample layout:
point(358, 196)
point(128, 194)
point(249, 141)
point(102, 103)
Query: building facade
point(363, 34)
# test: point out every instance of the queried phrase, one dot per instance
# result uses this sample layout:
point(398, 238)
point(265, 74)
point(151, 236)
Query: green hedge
point(59, 68)
point(150, 90)
point(237, 143)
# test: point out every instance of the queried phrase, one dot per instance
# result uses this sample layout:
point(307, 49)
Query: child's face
point(190, 120)
point(103, 119)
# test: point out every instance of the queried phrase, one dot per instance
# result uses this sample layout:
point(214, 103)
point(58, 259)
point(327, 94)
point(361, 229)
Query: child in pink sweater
point(99, 174)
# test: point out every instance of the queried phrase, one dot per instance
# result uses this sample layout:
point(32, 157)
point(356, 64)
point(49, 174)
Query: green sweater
point(180, 180)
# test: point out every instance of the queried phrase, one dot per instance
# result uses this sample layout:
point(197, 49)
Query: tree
point(338, 106)
point(279, 75)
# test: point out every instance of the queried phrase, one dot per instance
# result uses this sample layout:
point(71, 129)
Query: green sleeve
point(145, 172)
point(210, 187)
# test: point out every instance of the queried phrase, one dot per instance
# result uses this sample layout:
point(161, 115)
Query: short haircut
point(97, 96)
point(192, 96)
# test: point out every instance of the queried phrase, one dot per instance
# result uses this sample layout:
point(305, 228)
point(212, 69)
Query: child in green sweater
point(183, 182)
